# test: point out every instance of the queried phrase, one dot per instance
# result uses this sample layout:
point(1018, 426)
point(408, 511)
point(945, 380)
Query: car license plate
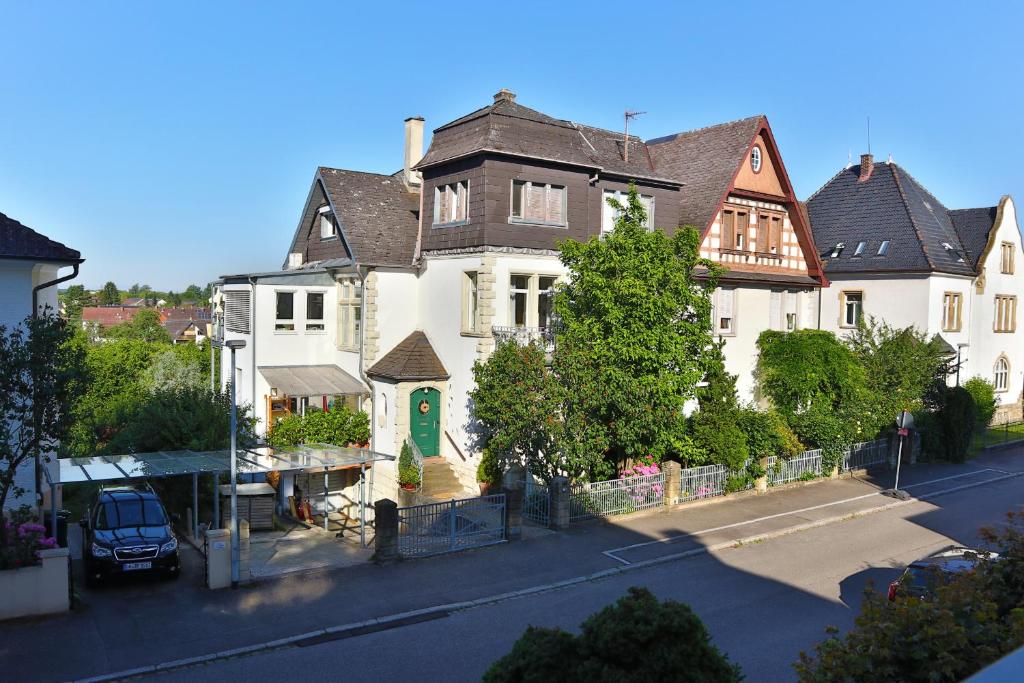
point(130, 566)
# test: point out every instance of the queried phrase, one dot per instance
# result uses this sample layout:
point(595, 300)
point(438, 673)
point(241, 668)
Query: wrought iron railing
point(438, 528)
point(536, 502)
point(807, 465)
point(706, 481)
point(616, 496)
point(544, 336)
point(860, 456)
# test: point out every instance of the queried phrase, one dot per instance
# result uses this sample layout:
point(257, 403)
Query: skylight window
point(859, 251)
point(883, 248)
point(949, 247)
point(837, 250)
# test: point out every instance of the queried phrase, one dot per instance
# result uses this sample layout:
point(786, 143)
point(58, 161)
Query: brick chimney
point(413, 149)
point(504, 95)
point(867, 166)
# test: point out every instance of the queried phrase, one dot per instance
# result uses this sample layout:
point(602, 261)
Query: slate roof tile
point(973, 226)
point(19, 241)
point(412, 359)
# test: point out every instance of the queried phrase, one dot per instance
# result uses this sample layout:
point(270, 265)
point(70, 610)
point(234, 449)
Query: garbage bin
point(62, 526)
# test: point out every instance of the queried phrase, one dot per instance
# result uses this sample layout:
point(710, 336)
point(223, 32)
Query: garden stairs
point(440, 482)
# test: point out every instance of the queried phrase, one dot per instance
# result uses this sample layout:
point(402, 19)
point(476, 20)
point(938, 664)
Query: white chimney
point(413, 149)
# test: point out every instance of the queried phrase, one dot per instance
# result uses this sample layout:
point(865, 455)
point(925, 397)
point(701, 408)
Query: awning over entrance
point(173, 463)
point(312, 380)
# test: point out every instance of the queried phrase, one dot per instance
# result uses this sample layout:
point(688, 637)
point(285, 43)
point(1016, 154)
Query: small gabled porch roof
point(414, 359)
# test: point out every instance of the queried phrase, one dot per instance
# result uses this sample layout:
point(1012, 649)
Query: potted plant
point(488, 472)
point(408, 472)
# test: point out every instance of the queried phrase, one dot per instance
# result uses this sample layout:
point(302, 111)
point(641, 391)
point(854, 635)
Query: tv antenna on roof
point(869, 134)
point(629, 114)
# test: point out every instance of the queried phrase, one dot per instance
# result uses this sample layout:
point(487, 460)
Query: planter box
point(42, 589)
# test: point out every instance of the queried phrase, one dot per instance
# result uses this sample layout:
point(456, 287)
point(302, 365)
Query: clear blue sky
point(174, 143)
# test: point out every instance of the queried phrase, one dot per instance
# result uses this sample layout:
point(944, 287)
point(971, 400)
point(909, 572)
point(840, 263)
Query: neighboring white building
point(29, 272)
point(395, 285)
point(894, 252)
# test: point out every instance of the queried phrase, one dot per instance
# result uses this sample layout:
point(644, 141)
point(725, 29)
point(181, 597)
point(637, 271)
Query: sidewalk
point(139, 624)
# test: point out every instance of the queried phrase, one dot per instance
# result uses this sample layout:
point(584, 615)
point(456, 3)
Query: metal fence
point(807, 465)
point(706, 481)
point(616, 496)
point(448, 527)
point(861, 456)
point(537, 503)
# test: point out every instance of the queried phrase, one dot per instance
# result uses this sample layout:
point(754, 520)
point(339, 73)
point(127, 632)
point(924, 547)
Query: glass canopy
point(172, 463)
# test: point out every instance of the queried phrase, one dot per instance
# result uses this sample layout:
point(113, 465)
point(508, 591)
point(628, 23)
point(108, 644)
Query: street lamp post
point(234, 345)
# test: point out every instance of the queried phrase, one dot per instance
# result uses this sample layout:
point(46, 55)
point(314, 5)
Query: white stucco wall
point(900, 300)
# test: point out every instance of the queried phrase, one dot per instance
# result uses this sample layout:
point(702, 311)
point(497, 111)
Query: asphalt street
point(763, 602)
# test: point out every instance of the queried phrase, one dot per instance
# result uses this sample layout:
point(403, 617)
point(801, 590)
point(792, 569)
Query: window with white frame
point(451, 203)
point(545, 295)
point(350, 295)
point(1001, 374)
point(853, 308)
point(284, 317)
point(327, 227)
point(519, 296)
point(609, 214)
point(782, 310)
point(725, 311)
point(1005, 314)
point(951, 311)
point(538, 203)
point(470, 303)
point(314, 311)
point(530, 300)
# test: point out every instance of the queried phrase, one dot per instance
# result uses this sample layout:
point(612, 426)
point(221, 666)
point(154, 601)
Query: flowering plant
point(24, 541)
point(644, 492)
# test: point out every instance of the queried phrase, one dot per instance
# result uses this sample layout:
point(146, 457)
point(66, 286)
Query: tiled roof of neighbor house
point(133, 301)
point(705, 160)
point(973, 226)
point(413, 359)
point(377, 215)
point(176, 328)
point(510, 128)
point(890, 205)
point(186, 313)
point(19, 241)
point(108, 316)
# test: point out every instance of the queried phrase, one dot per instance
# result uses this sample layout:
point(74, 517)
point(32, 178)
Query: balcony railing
point(525, 335)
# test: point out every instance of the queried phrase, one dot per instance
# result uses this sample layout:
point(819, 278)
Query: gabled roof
point(19, 241)
point(889, 206)
point(506, 127)
point(706, 161)
point(412, 360)
point(108, 316)
point(973, 226)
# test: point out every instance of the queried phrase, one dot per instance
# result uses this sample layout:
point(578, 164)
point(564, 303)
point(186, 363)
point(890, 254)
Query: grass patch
point(996, 434)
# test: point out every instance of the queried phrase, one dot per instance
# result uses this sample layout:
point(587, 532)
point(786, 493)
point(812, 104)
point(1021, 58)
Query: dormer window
point(451, 203)
point(538, 203)
point(755, 159)
point(327, 230)
point(883, 248)
point(859, 251)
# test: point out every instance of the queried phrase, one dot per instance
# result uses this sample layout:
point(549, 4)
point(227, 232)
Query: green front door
point(425, 418)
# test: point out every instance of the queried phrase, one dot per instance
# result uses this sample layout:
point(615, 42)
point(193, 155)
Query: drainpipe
point(252, 335)
point(38, 455)
point(362, 370)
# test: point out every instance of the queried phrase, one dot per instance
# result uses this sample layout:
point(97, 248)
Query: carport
point(250, 461)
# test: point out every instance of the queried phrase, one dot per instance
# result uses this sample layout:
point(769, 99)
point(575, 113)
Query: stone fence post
point(761, 483)
point(558, 504)
point(385, 540)
point(673, 480)
point(513, 514)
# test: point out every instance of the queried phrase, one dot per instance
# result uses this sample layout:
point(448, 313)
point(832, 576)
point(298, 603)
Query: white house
point(29, 276)
point(894, 252)
point(394, 285)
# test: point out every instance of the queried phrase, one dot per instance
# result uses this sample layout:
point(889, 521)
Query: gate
point(438, 528)
point(536, 504)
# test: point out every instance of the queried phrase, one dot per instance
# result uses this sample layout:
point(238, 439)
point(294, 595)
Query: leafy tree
point(110, 295)
point(338, 426)
point(144, 326)
point(984, 394)
point(515, 407)
point(715, 426)
point(75, 298)
point(900, 365)
point(947, 430)
point(632, 339)
point(41, 373)
point(135, 290)
point(194, 293)
point(637, 639)
point(170, 370)
point(767, 434)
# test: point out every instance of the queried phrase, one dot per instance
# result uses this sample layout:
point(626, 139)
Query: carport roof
point(170, 463)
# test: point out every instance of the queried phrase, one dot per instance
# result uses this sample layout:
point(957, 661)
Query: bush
point(488, 471)
point(946, 431)
point(823, 427)
point(338, 426)
point(25, 539)
point(408, 472)
point(984, 394)
point(637, 639)
point(767, 434)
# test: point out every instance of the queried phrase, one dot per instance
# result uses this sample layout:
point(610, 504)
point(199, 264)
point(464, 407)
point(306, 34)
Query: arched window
point(1002, 374)
point(755, 159)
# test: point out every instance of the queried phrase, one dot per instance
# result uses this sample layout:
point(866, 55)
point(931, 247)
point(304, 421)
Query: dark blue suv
point(128, 531)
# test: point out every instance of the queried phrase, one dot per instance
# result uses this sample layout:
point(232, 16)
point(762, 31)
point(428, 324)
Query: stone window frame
point(460, 189)
point(952, 303)
point(284, 325)
point(1005, 313)
point(1003, 371)
point(1007, 250)
point(471, 318)
point(842, 307)
point(533, 293)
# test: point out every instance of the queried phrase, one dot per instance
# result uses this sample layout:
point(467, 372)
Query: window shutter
point(725, 302)
point(535, 202)
point(607, 212)
point(775, 310)
point(236, 311)
point(555, 195)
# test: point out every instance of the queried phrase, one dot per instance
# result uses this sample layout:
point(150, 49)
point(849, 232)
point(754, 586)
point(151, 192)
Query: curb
point(394, 620)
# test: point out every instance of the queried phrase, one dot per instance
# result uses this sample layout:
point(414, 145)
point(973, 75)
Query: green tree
point(170, 370)
point(135, 290)
point(74, 298)
point(110, 295)
point(767, 434)
point(515, 407)
point(145, 326)
point(194, 294)
point(984, 394)
point(947, 429)
point(637, 639)
point(41, 372)
point(900, 365)
point(632, 340)
point(715, 428)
